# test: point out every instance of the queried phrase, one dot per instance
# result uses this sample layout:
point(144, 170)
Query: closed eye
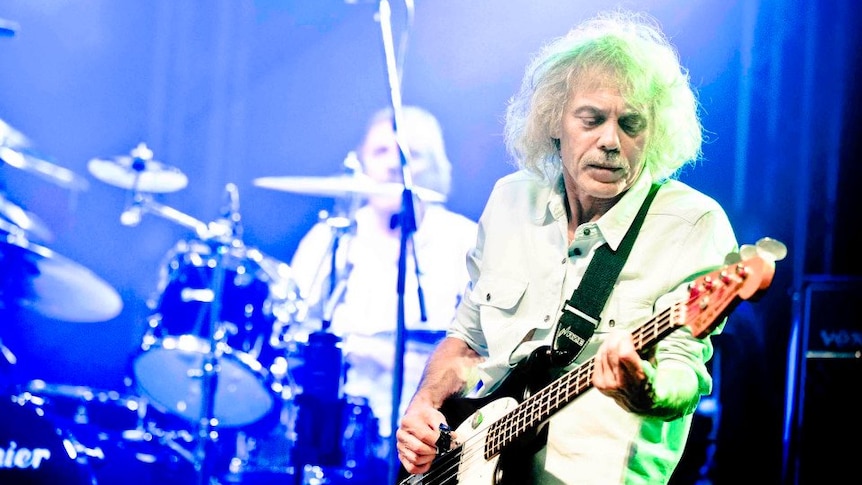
point(633, 124)
point(592, 121)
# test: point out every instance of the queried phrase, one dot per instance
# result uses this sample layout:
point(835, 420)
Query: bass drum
point(33, 450)
point(258, 300)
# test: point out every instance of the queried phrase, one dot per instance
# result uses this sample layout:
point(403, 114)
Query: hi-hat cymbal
point(15, 150)
point(342, 186)
point(25, 220)
point(153, 177)
point(36, 278)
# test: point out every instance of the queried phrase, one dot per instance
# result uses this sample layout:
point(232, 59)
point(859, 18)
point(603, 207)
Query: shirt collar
point(552, 198)
point(614, 224)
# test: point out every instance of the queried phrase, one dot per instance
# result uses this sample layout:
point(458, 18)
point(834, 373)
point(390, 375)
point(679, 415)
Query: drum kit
point(229, 384)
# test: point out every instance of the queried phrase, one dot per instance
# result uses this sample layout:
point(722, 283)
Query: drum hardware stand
point(207, 431)
point(13, 233)
point(225, 234)
point(8, 355)
point(7, 363)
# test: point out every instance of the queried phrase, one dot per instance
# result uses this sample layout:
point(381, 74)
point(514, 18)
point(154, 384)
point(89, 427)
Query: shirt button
point(547, 317)
point(587, 231)
point(563, 261)
point(576, 251)
point(611, 323)
point(488, 297)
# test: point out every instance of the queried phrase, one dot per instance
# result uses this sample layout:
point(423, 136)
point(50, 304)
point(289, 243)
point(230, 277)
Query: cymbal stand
point(207, 426)
point(224, 233)
point(340, 227)
point(207, 431)
point(341, 223)
point(144, 204)
point(6, 280)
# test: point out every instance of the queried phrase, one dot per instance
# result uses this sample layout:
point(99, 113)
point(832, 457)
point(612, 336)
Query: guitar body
point(512, 465)
point(467, 464)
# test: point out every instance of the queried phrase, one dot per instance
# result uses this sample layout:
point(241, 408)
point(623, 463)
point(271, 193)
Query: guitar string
point(501, 434)
point(523, 415)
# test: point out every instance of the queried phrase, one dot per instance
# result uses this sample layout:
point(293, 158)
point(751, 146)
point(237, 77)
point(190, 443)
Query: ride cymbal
point(342, 186)
point(36, 278)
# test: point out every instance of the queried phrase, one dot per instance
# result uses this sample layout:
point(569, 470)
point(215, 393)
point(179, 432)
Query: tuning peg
point(732, 258)
point(771, 248)
point(767, 248)
point(747, 251)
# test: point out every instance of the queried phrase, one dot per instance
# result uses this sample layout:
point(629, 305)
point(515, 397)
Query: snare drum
point(257, 299)
point(33, 450)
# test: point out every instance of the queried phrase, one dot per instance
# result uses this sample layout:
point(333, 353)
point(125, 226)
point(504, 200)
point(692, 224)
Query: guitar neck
point(539, 407)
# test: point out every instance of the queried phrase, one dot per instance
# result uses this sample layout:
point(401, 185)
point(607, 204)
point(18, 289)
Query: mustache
point(608, 159)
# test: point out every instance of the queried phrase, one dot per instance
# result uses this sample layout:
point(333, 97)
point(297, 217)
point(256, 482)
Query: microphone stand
point(407, 223)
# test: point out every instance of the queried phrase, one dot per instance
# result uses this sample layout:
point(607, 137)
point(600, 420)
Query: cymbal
point(342, 186)
point(15, 150)
point(8, 28)
point(141, 174)
point(39, 279)
point(25, 220)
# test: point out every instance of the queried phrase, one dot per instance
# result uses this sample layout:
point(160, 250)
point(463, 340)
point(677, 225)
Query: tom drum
point(257, 299)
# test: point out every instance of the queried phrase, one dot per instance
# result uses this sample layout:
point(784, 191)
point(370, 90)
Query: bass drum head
point(33, 450)
point(171, 376)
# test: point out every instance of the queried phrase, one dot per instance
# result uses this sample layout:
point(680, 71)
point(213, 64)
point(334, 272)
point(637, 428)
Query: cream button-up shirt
point(522, 270)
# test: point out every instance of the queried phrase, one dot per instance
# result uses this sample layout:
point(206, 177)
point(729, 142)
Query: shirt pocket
point(498, 294)
point(499, 300)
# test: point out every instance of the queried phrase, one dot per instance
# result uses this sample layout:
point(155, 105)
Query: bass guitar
point(498, 440)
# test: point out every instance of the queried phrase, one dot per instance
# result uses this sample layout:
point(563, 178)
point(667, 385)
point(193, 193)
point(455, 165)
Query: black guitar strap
point(580, 315)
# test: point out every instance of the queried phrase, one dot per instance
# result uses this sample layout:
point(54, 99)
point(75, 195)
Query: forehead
point(602, 98)
point(381, 133)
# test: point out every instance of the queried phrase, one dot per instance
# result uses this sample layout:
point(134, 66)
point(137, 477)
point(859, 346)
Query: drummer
point(360, 303)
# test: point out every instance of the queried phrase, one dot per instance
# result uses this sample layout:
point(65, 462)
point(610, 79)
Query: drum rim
point(248, 364)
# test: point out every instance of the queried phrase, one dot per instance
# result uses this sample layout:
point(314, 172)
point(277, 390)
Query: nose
point(609, 139)
point(393, 174)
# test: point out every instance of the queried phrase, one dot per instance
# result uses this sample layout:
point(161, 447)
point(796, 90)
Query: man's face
point(601, 142)
point(381, 161)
